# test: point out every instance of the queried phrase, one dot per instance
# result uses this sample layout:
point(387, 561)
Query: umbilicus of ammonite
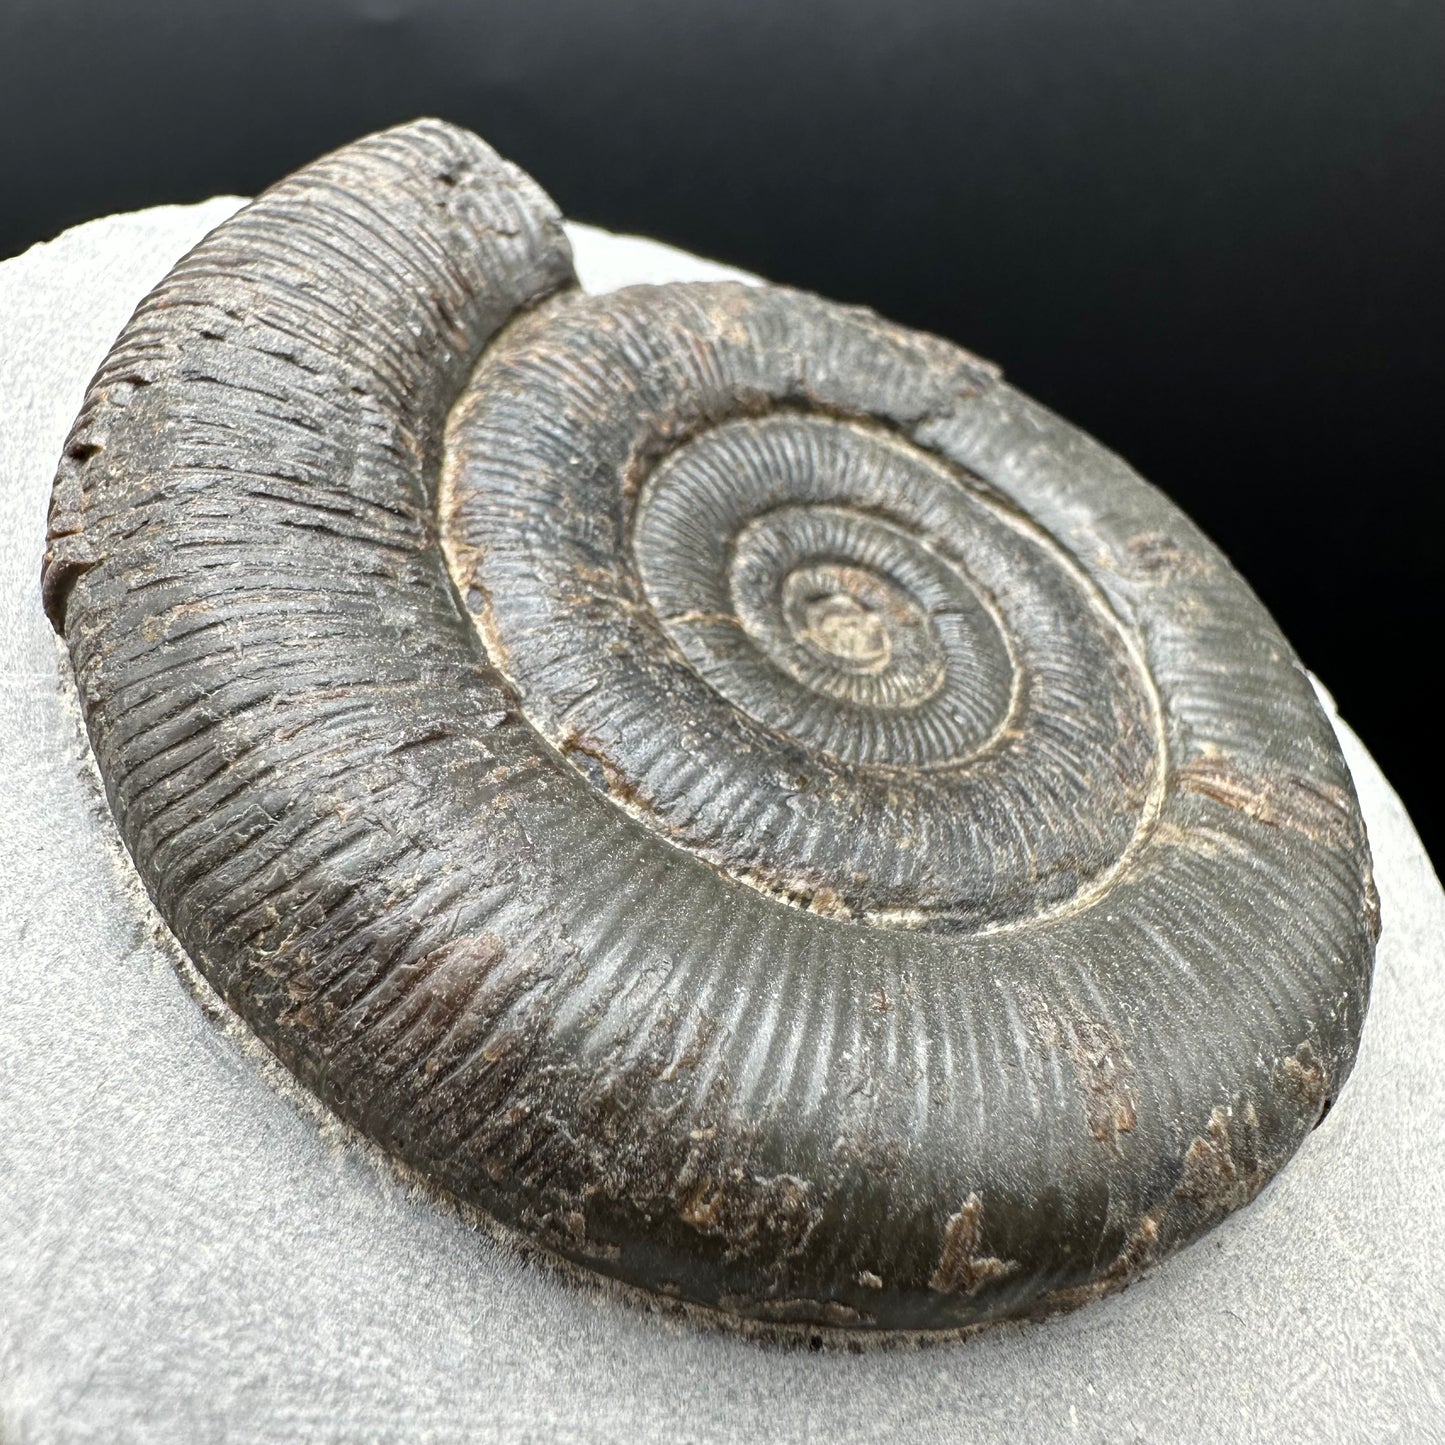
point(720, 783)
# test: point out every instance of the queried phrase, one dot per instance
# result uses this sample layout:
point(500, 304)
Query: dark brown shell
point(752, 801)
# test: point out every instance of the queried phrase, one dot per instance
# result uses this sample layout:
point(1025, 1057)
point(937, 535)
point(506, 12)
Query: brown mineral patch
point(1372, 903)
point(1105, 1075)
point(963, 1267)
point(1101, 1067)
point(591, 759)
point(747, 1211)
point(829, 904)
point(694, 1048)
point(1140, 1250)
point(796, 1310)
point(810, 894)
point(1304, 1076)
point(703, 1204)
point(1222, 1168)
point(566, 1231)
point(1324, 815)
point(1157, 557)
point(1222, 1171)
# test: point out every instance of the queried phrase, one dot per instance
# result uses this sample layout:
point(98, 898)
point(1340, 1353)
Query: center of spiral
point(847, 614)
point(840, 605)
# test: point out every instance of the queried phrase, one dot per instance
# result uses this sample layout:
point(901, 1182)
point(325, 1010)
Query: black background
point(1212, 232)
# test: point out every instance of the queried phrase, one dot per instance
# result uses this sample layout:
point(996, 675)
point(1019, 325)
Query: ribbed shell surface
point(722, 783)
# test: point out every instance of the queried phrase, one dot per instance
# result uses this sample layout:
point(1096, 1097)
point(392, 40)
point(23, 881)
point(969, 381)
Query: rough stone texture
point(187, 1245)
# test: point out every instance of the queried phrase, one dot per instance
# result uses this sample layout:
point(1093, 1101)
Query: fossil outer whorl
point(751, 800)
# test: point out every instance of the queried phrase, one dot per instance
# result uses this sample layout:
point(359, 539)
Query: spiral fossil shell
point(720, 782)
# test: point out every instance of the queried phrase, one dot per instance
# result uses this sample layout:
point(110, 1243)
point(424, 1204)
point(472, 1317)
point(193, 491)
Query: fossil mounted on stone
point(719, 782)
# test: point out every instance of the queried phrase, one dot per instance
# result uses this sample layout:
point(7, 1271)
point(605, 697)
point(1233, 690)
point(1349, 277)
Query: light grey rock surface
point(191, 1251)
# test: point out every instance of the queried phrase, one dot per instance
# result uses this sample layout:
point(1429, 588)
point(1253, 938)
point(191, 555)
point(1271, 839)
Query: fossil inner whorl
point(833, 662)
point(811, 607)
point(836, 626)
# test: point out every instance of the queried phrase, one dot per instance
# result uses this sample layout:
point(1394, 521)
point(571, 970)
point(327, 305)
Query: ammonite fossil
point(721, 783)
